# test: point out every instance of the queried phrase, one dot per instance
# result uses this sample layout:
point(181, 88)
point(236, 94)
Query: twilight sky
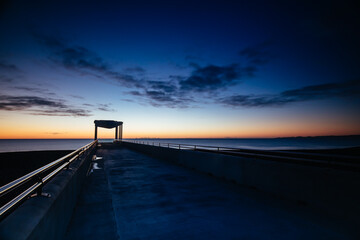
point(179, 68)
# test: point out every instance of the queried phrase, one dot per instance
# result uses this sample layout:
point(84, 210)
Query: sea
point(295, 143)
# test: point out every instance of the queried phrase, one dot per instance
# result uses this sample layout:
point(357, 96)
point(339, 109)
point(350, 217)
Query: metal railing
point(183, 146)
point(39, 178)
point(299, 157)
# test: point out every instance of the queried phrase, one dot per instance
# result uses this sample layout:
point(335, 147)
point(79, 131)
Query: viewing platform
point(129, 195)
point(137, 190)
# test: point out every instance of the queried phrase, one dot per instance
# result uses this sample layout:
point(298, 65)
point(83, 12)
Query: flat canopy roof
point(107, 123)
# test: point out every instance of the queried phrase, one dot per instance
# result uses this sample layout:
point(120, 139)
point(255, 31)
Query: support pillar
point(95, 133)
point(116, 132)
point(120, 132)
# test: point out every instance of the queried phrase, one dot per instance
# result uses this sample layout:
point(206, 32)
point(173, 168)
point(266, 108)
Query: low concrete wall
point(336, 192)
point(47, 218)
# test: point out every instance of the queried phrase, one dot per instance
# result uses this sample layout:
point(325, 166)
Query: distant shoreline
point(294, 137)
point(294, 143)
point(297, 137)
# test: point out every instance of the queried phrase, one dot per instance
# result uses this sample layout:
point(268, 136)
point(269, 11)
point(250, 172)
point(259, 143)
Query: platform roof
point(107, 123)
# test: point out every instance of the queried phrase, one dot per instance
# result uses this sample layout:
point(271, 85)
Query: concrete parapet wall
point(335, 192)
point(43, 217)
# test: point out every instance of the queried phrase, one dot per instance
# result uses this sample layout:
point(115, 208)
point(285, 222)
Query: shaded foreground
point(129, 195)
point(17, 164)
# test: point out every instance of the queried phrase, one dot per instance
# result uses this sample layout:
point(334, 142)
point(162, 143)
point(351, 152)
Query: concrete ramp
point(129, 195)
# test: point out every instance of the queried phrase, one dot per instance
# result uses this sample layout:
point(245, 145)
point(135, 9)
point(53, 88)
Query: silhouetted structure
point(109, 124)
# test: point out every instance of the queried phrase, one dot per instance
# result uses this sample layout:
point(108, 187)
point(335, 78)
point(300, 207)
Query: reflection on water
point(96, 166)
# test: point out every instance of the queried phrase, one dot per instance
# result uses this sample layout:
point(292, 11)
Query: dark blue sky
point(186, 59)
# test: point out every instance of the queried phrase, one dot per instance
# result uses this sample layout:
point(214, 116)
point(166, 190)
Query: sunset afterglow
point(178, 69)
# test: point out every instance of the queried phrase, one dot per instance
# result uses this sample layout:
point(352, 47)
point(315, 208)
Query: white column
point(120, 132)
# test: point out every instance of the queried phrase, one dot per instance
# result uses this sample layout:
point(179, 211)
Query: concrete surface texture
point(129, 195)
point(328, 189)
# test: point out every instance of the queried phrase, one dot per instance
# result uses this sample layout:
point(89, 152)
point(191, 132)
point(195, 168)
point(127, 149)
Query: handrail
point(181, 145)
point(40, 180)
point(331, 160)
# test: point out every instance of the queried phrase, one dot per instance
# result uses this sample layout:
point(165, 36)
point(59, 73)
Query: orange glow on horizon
point(38, 127)
point(250, 132)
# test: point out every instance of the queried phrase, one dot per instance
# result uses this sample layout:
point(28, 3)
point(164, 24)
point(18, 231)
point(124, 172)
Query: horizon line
point(350, 135)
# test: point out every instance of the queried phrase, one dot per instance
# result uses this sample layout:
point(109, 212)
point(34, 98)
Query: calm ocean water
point(16, 145)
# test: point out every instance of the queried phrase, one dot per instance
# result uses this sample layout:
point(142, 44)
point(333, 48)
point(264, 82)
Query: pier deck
point(133, 196)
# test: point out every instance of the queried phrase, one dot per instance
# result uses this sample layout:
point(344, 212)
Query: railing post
point(39, 190)
point(68, 161)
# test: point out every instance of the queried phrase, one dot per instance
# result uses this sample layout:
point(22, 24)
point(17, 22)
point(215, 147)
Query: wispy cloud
point(203, 81)
point(85, 61)
point(55, 133)
point(6, 79)
point(7, 71)
point(211, 77)
point(88, 105)
point(176, 91)
point(105, 107)
point(33, 90)
point(257, 55)
point(157, 98)
point(135, 70)
point(349, 89)
point(76, 96)
point(50, 41)
point(8, 67)
point(36, 105)
point(162, 96)
point(168, 86)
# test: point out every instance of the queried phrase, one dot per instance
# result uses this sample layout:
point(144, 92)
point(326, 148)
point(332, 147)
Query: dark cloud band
point(349, 89)
point(40, 106)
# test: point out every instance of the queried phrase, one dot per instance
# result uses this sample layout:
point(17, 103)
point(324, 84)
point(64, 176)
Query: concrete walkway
point(133, 196)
